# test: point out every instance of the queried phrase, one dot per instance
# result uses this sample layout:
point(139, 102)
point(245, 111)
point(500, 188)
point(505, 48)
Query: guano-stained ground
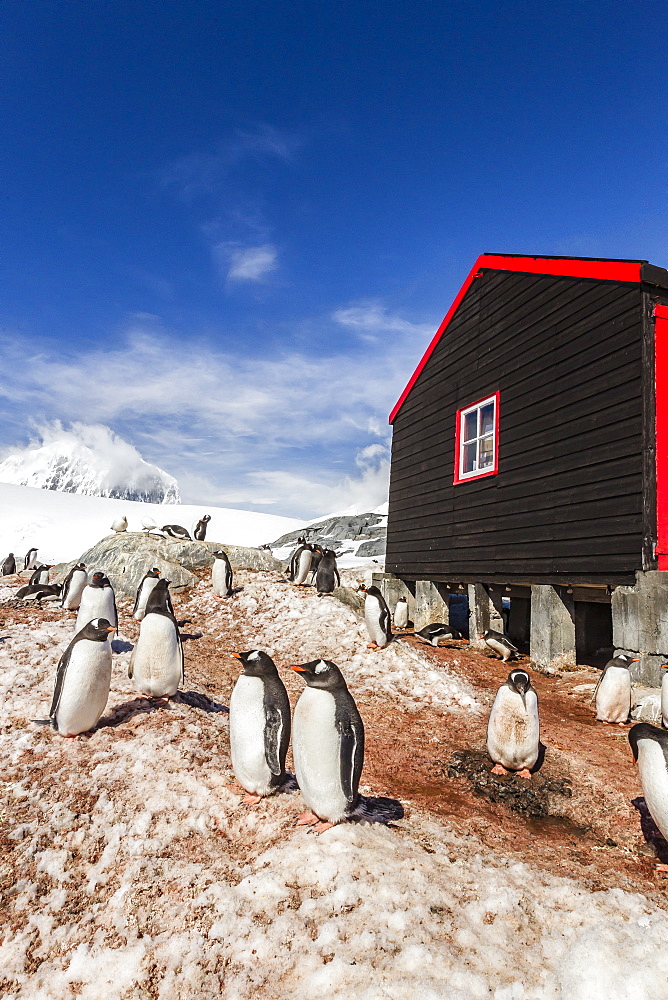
point(129, 869)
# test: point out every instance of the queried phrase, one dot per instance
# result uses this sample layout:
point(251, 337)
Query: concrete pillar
point(392, 588)
point(640, 624)
point(485, 611)
point(431, 604)
point(552, 627)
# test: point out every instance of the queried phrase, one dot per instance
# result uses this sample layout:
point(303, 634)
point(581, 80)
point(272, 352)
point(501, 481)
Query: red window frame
point(494, 470)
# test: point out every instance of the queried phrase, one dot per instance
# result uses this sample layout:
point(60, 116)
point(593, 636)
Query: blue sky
point(230, 230)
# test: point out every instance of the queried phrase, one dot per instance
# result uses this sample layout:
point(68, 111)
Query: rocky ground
point(131, 870)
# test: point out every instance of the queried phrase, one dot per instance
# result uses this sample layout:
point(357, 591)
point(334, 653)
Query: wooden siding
point(566, 355)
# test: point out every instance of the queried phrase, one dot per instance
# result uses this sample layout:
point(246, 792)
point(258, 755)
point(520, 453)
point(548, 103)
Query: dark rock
point(375, 547)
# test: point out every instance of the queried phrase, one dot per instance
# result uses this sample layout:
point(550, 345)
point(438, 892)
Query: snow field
point(139, 874)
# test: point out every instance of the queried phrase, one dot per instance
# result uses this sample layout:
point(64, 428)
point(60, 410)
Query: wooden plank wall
point(566, 507)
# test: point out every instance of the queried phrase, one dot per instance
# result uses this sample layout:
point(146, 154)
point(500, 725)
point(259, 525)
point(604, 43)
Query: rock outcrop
point(126, 558)
point(339, 533)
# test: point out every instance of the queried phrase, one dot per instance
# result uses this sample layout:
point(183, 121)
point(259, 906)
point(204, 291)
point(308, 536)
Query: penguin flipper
point(60, 679)
point(134, 610)
point(272, 739)
point(385, 622)
point(351, 733)
point(598, 684)
point(337, 577)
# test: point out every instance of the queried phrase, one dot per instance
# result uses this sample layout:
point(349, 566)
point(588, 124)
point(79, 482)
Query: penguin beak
point(237, 656)
point(111, 629)
point(295, 666)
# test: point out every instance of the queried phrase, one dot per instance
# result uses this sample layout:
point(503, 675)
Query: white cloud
point(371, 318)
point(248, 263)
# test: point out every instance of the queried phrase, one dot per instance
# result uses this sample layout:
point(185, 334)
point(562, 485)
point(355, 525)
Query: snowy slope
point(63, 525)
point(88, 459)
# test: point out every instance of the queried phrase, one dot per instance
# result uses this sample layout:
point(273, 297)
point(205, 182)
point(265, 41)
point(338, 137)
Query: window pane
point(486, 452)
point(469, 457)
point(471, 425)
point(487, 418)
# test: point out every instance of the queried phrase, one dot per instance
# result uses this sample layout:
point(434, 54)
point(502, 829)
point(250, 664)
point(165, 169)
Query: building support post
point(552, 627)
point(640, 624)
point(485, 612)
point(392, 588)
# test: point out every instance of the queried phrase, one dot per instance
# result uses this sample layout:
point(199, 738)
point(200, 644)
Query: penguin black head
point(519, 681)
point(98, 630)
point(644, 731)
point(81, 565)
point(98, 580)
point(622, 660)
point(256, 663)
point(372, 591)
point(154, 572)
point(320, 674)
point(206, 517)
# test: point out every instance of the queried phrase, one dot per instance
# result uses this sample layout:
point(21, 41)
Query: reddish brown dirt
point(407, 757)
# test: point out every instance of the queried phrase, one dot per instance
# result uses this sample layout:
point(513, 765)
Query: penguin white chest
point(72, 599)
point(613, 698)
point(147, 587)
point(372, 620)
point(156, 661)
point(304, 566)
point(221, 578)
point(96, 602)
point(316, 747)
point(247, 729)
point(513, 730)
point(653, 772)
point(85, 689)
point(401, 614)
point(664, 699)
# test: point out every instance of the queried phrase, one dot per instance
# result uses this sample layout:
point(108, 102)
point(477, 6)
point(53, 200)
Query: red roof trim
point(603, 270)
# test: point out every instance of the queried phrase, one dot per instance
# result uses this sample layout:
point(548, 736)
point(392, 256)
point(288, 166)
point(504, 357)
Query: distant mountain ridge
point(88, 459)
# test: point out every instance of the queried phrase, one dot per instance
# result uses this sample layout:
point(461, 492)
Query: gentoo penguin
point(401, 613)
point(293, 561)
point(303, 565)
point(83, 679)
point(376, 617)
point(613, 691)
point(9, 565)
point(259, 726)
point(199, 534)
point(327, 576)
point(437, 632)
point(30, 561)
point(500, 644)
point(143, 590)
point(513, 730)
point(327, 744)
point(664, 696)
point(73, 586)
point(41, 575)
point(316, 555)
point(221, 574)
point(156, 664)
point(650, 750)
point(176, 531)
point(97, 601)
point(40, 592)
point(119, 524)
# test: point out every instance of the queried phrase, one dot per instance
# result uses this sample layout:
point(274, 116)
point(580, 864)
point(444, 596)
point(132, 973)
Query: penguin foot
point(251, 800)
point(235, 786)
point(661, 868)
point(524, 773)
point(499, 769)
point(308, 819)
point(321, 827)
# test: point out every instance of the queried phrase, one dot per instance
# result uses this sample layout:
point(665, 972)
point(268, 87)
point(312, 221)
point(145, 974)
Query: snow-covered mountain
point(88, 459)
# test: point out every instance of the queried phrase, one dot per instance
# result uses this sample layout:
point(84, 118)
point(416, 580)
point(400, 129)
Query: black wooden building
point(530, 446)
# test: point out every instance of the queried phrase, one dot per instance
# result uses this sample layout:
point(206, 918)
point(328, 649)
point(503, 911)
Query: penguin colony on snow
point(326, 727)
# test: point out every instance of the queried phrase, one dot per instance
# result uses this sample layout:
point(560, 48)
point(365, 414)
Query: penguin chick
point(82, 679)
point(327, 745)
point(376, 617)
point(613, 691)
point(156, 665)
point(199, 534)
point(73, 586)
point(401, 613)
point(327, 577)
point(177, 531)
point(650, 751)
point(436, 632)
point(119, 524)
point(500, 644)
point(221, 574)
point(9, 565)
point(145, 587)
point(513, 730)
point(259, 726)
point(97, 601)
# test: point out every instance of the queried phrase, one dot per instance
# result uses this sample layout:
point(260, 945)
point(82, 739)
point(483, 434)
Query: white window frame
point(488, 470)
